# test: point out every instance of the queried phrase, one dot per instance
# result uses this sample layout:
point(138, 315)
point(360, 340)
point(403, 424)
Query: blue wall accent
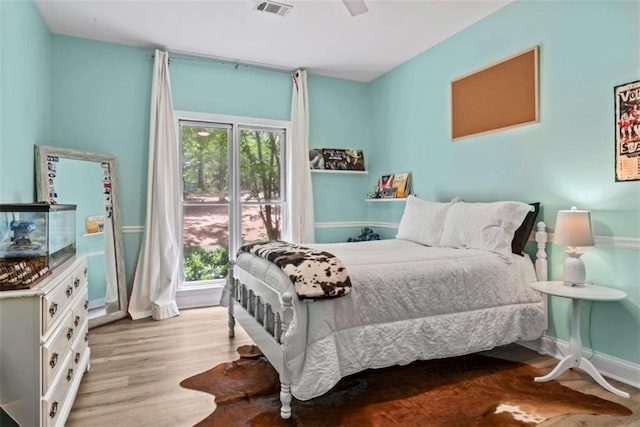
point(101, 104)
point(210, 87)
point(25, 96)
point(567, 159)
point(339, 118)
point(99, 101)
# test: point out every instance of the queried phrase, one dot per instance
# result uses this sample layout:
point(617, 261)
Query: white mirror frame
point(41, 154)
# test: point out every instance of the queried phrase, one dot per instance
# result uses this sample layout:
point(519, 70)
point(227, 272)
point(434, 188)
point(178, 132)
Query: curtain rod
point(189, 56)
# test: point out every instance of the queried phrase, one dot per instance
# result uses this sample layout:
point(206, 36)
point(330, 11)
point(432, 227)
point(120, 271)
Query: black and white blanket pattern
point(314, 273)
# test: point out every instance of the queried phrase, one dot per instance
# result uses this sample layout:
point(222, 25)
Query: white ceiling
point(319, 35)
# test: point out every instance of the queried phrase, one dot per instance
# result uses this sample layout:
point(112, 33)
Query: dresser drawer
point(56, 349)
point(55, 399)
point(54, 304)
point(80, 307)
point(80, 344)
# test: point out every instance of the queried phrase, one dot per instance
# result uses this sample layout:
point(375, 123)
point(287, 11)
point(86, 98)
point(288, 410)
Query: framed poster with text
point(627, 125)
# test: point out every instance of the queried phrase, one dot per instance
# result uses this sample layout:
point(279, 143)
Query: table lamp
point(573, 229)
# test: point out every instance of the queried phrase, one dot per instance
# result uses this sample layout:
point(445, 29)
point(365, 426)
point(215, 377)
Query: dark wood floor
point(136, 368)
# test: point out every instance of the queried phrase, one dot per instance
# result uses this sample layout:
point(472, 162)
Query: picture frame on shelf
point(316, 159)
point(389, 193)
point(337, 159)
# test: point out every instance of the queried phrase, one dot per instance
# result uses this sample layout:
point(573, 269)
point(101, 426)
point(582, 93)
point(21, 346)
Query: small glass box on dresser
point(35, 238)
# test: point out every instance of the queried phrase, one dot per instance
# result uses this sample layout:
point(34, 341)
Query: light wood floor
point(136, 368)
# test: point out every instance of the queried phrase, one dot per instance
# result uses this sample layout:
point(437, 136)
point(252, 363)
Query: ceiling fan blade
point(356, 7)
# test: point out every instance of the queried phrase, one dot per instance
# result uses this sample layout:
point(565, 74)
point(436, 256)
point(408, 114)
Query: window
point(233, 191)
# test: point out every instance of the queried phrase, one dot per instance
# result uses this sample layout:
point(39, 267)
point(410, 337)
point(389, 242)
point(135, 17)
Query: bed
point(409, 301)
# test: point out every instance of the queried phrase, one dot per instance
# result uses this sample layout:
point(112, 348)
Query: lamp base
point(574, 271)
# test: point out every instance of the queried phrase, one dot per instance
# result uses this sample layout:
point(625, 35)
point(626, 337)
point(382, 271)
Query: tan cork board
point(499, 96)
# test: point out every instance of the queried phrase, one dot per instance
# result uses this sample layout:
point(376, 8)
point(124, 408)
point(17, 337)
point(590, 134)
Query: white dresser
point(43, 346)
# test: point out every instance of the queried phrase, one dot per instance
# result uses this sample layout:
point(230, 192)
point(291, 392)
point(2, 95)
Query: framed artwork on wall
point(627, 126)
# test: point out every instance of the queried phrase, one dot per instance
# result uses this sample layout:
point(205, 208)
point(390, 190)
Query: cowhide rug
point(469, 390)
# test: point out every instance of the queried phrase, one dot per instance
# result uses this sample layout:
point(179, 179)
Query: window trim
point(236, 123)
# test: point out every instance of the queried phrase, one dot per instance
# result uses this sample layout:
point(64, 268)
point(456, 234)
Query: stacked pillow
point(486, 226)
point(422, 221)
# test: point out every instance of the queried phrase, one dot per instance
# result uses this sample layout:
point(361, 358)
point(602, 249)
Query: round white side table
point(574, 359)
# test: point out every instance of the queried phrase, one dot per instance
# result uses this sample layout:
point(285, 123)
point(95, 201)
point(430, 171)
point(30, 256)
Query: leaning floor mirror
point(89, 181)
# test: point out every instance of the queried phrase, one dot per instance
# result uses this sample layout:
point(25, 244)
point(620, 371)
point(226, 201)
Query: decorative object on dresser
point(34, 239)
point(44, 346)
point(573, 229)
point(90, 181)
point(575, 359)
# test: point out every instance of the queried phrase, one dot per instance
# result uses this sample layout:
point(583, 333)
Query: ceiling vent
point(273, 7)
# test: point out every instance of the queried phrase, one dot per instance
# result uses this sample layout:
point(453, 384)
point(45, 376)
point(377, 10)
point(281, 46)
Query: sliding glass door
point(233, 192)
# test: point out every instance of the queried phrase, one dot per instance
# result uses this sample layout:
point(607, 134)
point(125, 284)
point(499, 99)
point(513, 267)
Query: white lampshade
point(573, 228)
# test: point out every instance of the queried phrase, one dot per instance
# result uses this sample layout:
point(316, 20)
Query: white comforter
point(408, 302)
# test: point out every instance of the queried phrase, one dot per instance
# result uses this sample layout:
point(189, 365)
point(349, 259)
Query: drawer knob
point(53, 309)
point(76, 321)
point(54, 360)
point(76, 282)
point(86, 337)
point(77, 358)
point(54, 409)
point(69, 291)
point(69, 333)
point(86, 304)
point(69, 374)
point(85, 271)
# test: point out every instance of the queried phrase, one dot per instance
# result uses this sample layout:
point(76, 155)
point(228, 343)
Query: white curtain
point(156, 281)
point(300, 189)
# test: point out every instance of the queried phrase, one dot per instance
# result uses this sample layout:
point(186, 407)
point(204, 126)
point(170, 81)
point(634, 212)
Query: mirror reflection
point(87, 180)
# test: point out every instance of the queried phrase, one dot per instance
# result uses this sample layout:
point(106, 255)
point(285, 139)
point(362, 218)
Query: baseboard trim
point(609, 366)
point(199, 297)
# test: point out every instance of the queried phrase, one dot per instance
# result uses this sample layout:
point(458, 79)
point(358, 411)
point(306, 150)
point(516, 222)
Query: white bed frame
point(265, 314)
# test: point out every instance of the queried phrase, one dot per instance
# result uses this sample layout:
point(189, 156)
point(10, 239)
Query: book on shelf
point(402, 183)
point(385, 181)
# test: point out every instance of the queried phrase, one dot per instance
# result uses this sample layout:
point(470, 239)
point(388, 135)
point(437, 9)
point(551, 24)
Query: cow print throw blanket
point(315, 274)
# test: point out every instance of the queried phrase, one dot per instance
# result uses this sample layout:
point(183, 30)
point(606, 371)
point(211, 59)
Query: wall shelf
point(396, 199)
point(339, 171)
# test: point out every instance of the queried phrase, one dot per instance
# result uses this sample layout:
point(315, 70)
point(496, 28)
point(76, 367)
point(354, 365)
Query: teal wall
point(339, 118)
point(101, 103)
point(25, 96)
point(586, 48)
point(93, 96)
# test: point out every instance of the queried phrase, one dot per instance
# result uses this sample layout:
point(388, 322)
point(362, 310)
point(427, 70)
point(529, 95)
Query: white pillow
point(487, 226)
point(422, 221)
